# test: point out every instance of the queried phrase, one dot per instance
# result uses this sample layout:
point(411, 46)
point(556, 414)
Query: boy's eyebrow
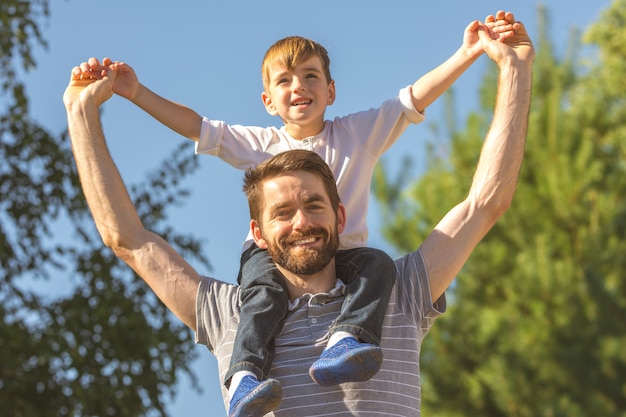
point(282, 72)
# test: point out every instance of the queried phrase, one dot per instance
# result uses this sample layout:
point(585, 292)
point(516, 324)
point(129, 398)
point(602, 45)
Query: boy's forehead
point(280, 65)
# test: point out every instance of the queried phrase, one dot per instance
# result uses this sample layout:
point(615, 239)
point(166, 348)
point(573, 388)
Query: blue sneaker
point(253, 398)
point(346, 361)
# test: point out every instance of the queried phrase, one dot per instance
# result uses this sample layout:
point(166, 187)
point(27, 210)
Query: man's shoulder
point(217, 310)
point(217, 297)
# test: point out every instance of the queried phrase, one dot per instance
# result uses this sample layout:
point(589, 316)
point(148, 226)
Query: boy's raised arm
point(434, 83)
point(172, 279)
point(178, 117)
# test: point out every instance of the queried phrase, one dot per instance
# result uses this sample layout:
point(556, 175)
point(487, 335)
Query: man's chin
point(304, 261)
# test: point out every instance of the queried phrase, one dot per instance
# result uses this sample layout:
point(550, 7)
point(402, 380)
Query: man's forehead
point(295, 183)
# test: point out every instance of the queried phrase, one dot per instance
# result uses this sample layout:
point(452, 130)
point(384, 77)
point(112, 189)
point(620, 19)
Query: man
point(297, 216)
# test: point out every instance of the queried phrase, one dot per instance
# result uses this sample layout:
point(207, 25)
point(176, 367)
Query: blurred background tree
point(536, 319)
point(108, 347)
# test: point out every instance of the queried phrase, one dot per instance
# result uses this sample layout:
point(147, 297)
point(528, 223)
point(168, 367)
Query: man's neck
point(321, 282)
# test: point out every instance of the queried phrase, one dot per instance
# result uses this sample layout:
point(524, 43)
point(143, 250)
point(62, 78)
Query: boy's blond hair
point(291, 51)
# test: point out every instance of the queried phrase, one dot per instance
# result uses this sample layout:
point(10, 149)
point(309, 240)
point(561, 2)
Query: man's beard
point(309, 260)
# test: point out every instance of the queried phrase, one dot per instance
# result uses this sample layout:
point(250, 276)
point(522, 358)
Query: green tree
point(535, 324)
point(109, 347)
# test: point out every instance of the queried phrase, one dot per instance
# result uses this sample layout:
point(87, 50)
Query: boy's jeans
point(368, 273)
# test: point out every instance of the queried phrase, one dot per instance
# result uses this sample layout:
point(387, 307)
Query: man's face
point(299, 228)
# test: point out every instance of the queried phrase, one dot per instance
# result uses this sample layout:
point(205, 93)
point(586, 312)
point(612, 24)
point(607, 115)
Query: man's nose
point(300, 220)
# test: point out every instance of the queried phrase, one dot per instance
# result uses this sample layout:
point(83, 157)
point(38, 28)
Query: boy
point(297, 88)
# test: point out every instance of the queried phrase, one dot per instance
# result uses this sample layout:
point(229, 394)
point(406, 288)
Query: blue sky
point(207, 55)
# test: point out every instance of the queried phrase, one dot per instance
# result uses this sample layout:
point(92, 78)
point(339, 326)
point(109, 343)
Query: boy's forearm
point(177, 117)
point(434, 83)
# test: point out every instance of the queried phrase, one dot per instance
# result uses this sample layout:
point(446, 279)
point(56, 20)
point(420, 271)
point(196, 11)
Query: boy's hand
point(126, 83)
point(471, 42)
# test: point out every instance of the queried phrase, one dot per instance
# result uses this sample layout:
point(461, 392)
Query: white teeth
point(304, 241)
point(300, 102)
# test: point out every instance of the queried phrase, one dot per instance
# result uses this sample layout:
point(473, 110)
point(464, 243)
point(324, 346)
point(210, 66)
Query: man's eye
point(281, 214)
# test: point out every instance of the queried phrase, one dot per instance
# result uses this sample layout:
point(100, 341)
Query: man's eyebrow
point(313, 198)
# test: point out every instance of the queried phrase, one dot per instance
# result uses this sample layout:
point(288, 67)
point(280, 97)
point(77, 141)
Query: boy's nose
point(297, 84)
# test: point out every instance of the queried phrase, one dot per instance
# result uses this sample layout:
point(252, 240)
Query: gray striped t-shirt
point(393, 391)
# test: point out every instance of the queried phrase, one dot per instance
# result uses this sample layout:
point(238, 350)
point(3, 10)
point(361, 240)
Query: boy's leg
point(369, 275)
point(264, 304)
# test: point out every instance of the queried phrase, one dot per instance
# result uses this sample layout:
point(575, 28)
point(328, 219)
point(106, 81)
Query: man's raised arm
point(449, 246)
point(164, 270)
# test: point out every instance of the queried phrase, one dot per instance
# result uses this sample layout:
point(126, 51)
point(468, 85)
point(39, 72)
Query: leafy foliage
point(109, 348)
point(535, 325)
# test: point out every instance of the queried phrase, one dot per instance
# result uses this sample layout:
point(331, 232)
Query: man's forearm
point(112, 209)
point(172, 279)
point(503, 151)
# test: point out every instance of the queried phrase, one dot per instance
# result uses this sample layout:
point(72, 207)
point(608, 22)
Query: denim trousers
point(369, 275)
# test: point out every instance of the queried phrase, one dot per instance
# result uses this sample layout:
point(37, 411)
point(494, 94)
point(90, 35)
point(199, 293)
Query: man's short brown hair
point(285, 162)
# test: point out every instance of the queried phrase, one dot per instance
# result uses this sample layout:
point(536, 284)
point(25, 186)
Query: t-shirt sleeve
point(240, 146)
point(217, 309)
point(376, 129)
point(413, 291)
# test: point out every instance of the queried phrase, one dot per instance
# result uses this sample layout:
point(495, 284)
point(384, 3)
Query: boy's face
point(299, 96)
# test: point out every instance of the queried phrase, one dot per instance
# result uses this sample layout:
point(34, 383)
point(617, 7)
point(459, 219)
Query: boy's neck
point(300, 132)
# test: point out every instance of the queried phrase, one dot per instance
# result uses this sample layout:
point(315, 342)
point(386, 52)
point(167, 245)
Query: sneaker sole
point(260, 401)
point(357, 366)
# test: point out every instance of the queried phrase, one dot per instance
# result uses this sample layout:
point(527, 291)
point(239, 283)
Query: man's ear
point(341, 218)
point(331, 93)
point(257, 234)
point(269, 104)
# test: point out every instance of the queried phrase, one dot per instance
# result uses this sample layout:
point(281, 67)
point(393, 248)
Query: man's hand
point(502, 27)
point(89, 82)
point(505, 40)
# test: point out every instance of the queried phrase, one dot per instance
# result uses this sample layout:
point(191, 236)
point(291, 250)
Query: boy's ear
point(269, 104)
point(331, 93)
point(257, 235)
